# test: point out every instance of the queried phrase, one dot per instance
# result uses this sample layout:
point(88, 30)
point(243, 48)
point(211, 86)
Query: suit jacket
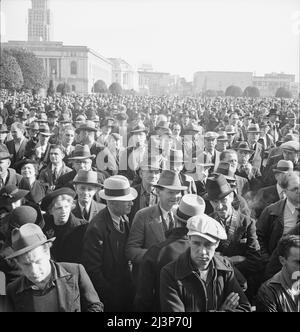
point(106, 263)
point(37, 191)
point(46, 175)
point(242, 185)
point(254, 178)
point(95, 208)
point(264, 197)
point(13, 178)
point(146, 230)
point(75, 291)
point(258, 156)
point(16, 156)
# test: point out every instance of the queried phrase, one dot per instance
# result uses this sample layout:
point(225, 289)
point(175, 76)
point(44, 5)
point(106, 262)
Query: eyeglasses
point(296, 189)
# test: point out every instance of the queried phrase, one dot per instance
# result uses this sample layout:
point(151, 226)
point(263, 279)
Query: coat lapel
point(65, 290)
point(155, 225)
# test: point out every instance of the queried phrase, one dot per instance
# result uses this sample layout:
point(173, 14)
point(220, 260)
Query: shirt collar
point(115, 218)
point(88, 207)
point(291, 206)
point(164, 212)
point(279, 189)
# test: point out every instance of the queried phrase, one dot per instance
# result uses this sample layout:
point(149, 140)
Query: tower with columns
point(39, 21)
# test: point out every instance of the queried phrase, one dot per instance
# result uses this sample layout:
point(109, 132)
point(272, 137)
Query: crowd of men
point(141, 203)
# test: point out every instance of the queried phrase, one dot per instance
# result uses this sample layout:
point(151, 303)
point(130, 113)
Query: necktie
point(171, 220)
point(1, 183)
point(85, 214)
point(54, 175)
point(121, 225)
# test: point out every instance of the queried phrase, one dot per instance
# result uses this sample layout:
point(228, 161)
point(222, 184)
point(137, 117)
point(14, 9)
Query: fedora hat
point(88, 125)
point(45, 130)
point(211, 135)
point(3, 128)
point(273, 111)
point(253, 128)
point(189, 206)
point(217, 188)
point(291, 115)
point(138, 129)
point(163, 125)
point(193, 127)
point(23, 215)
point(283, 166)
point(81, 152)
point(42, 117)
point(230, 130)
point(293, 146)
point(204, 226)
point(117, 188)
point(48, 199)
point(170, 180)
point(27, 238)
point(87, 177)
point(4, 154)
point(33, 126)
point(53, 114)
point(244, 146)
point(80, 118)
point(225, 169)
point(20, 164)
point(65, 118)
point(222, 136)
point(12, 193)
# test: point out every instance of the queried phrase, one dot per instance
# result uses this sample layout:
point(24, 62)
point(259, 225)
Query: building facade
point(39, 21)
point(220, 80)
point(269, 83)
point(78, 66)
point(154, 83)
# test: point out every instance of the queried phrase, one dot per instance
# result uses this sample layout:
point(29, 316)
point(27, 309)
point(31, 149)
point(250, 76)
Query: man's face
point(61, 211)
point(16, 133)
point(223, 207)
point(202, 251)
point(290, 155)
point(232, 159)
point(44, 139)
point(210, 143)
point(68, 137)
point(253, 137)
point(168, 198)
point(243, 157)
point(85, 164)
point(4, 165)
point(176, 130)
point(86, 136)
point(234, 120)
point(149, 177)
point(221, 145)
point(35, 265)
point(121, 207)
point(85, 193)
point(56, 156)
point(292, 262)
point(3, 137)
point(230, 137)
point(292, 191)
point(28, 171)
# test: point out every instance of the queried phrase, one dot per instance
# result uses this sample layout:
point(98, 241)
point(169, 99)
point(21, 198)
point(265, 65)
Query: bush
point(115, 89)
point(100, 87)
point(10, 72)
point(283, 93)
point(251, 92)
point(233, 91)
point(63, 88)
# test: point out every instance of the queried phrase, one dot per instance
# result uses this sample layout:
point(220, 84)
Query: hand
point(231, 302)
point(247, 168)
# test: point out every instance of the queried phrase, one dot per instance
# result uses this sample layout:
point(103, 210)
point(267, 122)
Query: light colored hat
point(27, 238)
point(284, 166)
point(117, 188)
point(170, 180)
point(222, 136)
point(253, 128)
point(190, 205)
point(206, 227)
point(293, 146)
point(230, 130)
point(211, 135)
point(87, 177)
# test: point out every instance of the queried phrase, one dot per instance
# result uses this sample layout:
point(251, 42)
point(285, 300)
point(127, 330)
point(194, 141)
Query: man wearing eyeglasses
point(279, 218)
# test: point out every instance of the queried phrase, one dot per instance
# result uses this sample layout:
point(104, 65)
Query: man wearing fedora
point(55, 169)
point(8, 176)
point(3, 134)
point(86, 186)
point(273, 117)
point(42, 148)
point(147, 294)
point(104, 246)
point(17, 145)
point(291, 126)
point(272, 194)
point(241, 247)
point(253, 134)
point(47, 286)
point(200, 280)
point(279, 218)
point(150, 224)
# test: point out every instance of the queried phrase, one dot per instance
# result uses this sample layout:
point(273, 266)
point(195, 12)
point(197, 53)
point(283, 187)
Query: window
point(73, 68)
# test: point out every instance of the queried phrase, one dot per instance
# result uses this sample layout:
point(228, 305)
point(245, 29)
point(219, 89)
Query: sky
point(176, 36)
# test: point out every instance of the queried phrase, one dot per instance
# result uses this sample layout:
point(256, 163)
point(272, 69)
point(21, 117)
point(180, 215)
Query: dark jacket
point(46, 175)
point(182, 290)
point(13, 178)
point(241, 241)
point(254, 178)
point(147, 294)
point(265, 197)
point(68, 244)
point(106, 264)
point(273, 297)
point(66, 180)
point(37, 190)
point(95, 208)
point(16, 156)
point(242, 185)
point(188, 182)
point(270, 226)
point(74, 290)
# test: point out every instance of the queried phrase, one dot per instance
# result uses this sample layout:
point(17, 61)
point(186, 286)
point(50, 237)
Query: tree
point(251, 92)
point(233, 91)
point(220, 93)
point(100, 87)
point(115, 89)
point(10, 72)
point(210, 93)
point(34, 75)
point(63, 88)
point(283, 93)
point(50, 91)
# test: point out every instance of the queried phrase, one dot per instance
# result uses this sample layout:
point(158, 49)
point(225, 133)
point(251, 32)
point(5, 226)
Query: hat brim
point(223, 139)
point(4, 131)
point(205, 236)
point(86, 129)
point(126, 198)
point(253, 131)
point(27, 249)
point(46, 134)
point(9, 156)
point(92, 156)
point(221, 196)
point(20, 194)
point(247, 150)
point(230, 132)
point(95, 184)
point(171, 187)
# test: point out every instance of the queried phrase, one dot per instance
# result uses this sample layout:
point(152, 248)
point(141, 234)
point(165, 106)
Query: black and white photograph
point(149, 158)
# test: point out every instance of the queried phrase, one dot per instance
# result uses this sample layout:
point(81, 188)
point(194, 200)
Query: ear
point(282, 260)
